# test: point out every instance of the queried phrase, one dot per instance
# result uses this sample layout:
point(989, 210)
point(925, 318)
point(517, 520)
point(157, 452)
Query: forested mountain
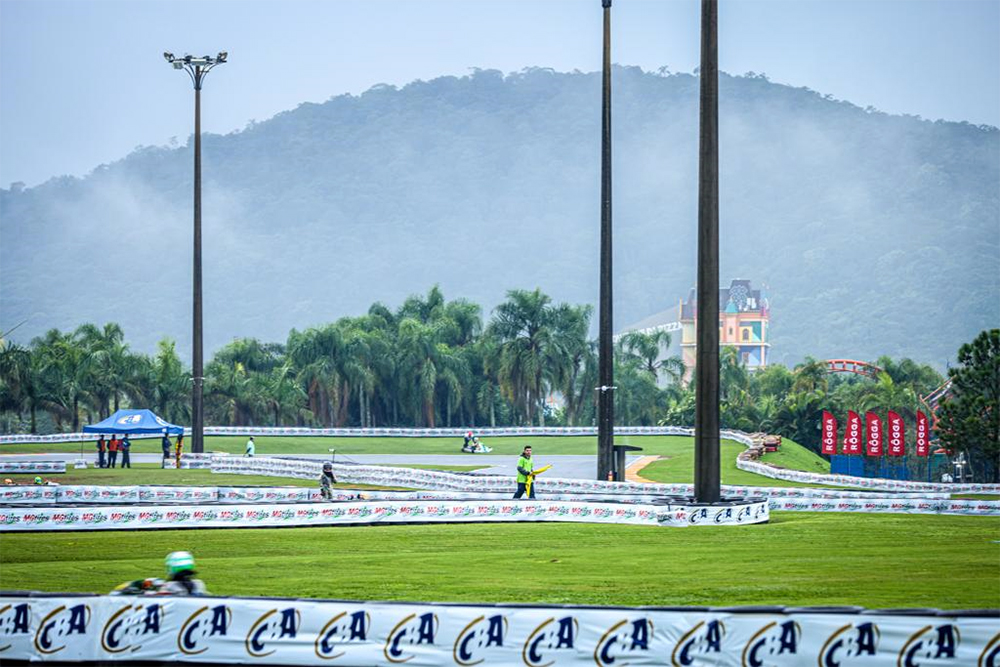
point(876, 234)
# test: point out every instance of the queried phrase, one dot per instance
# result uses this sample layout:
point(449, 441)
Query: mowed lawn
point(797, 559)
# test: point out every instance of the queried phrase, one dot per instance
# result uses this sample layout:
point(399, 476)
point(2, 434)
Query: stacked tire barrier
point(87, 628)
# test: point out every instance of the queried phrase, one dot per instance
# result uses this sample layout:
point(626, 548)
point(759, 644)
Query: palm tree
point(522, 326)
point(315, 353)
point(646, 348)
point(66, 371)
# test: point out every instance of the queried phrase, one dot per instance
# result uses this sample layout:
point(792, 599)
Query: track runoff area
point(291, 631)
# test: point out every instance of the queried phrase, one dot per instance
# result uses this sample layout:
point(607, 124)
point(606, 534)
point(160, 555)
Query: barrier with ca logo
point(349, 633)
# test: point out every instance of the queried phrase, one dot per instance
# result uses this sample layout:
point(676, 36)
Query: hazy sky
point(83, 82)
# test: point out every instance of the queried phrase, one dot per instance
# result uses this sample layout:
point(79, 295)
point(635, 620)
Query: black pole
point(605, 393)
point(197, 371)
point(706, 428)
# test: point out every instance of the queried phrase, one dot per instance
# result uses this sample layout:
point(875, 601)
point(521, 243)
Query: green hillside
point(862, 224)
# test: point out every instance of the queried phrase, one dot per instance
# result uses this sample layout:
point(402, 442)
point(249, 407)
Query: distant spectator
point(326, 481)
point(102, 447)
point(113, 451)
point(179, 448)
point(126, 446)
point(165, 446)
point(251, 447)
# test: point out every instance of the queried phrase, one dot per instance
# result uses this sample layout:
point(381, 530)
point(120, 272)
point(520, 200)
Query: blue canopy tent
point(133, 421)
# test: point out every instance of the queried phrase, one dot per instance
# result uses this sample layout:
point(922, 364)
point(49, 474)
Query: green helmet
point(38, 480)
point(179, 561)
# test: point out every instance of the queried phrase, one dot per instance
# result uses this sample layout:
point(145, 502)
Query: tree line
point(430, 362)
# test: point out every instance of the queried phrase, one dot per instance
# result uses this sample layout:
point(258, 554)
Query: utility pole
point(706, 427)
point(197, 69)
point(606, 360)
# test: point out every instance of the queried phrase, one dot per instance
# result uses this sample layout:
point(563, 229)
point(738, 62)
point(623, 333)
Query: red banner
point(873, 434)
point(852, 434)
point(829, 433)
point(923, 434)
point(897, 446)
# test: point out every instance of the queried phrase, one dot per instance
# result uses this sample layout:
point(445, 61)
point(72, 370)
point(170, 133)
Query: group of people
point(107, 451)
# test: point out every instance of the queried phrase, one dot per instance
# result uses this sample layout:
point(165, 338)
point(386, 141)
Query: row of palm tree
point(431, 362)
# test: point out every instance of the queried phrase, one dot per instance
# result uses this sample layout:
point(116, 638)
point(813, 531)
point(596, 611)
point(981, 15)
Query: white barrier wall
point(348, 633)
point(833, 499)
point(874, 483)
point(736, 436)
point(31, 467)
point(18, 519)
point(98, 495)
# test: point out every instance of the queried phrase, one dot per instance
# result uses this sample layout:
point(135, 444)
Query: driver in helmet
point(181, 576)
point(326, 481)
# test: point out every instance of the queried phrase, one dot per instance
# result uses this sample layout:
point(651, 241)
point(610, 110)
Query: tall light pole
point(706, 418)
point(197, 68)
point(605, 353)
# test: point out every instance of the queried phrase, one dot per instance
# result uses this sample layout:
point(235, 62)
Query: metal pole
point(606, 396)
point(197, 371)
point(706, 453)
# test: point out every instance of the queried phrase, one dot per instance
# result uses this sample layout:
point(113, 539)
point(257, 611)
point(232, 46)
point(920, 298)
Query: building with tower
point(744, 315)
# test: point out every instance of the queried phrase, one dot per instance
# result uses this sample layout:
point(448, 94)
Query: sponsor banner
point(42, 495)
point(829, 433)
point(873, 483)
point(896, 428)
point(352, 633)
point(190, 461)
point(32, 467)
point(267, 494)
point(873, 434)
point(738, 436)
point(372, 512)
point(852, 434)
point(888, 504)
point(923, 434)
point(36, 494)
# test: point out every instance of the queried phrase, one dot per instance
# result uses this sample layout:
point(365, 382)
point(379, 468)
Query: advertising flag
point(923, 434)
point(829, 433)
point(873, 434)
point(897, 447)
point(852, 434)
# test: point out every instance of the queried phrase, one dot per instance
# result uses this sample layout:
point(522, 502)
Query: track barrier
point(744, 461)
point(85, 628)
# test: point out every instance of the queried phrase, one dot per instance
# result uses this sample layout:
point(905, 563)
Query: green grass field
point(678, 466)
point(797, 559)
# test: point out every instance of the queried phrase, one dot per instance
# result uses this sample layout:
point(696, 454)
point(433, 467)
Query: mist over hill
point(875, 234)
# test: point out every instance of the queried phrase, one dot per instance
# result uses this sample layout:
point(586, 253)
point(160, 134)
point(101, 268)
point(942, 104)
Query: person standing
point(102, 446)
point(326, 481)
point(179, 449)
point(126, 446)
point(113, 451)
point(165, 446)
point(525, 466)
point(251, 447)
